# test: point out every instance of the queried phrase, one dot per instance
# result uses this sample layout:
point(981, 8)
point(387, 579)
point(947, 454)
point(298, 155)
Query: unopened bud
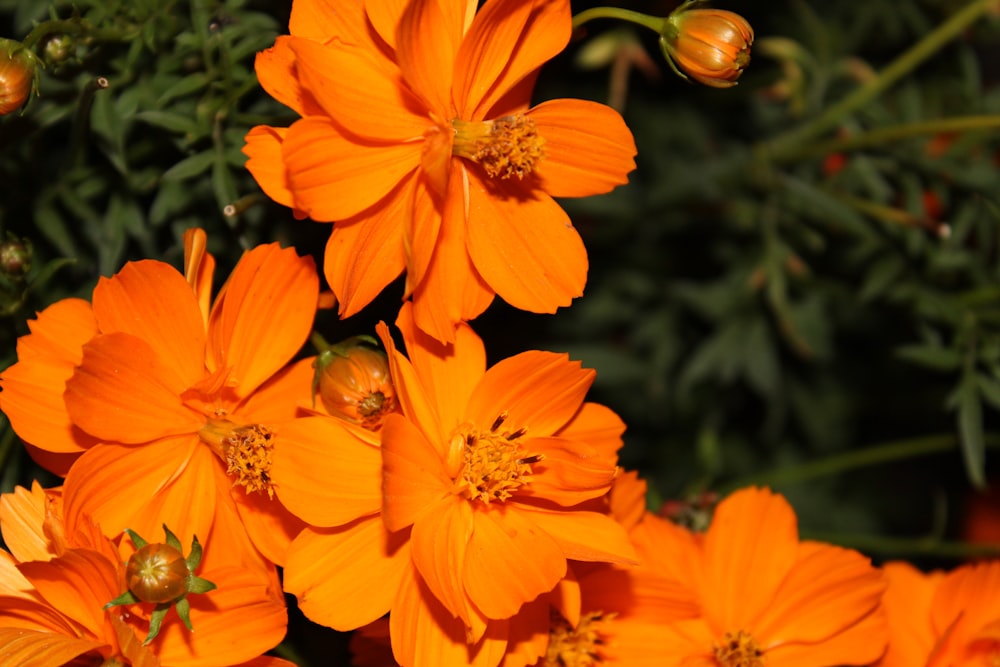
point(711, 46)
point(353, 383)
point(15, 257)
point(17, 75)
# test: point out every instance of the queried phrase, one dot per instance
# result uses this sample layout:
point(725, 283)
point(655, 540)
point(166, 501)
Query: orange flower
point(482, 478)
point(54, 586)
point(418, 140)
point(943, 620)
point(765, 597)
point(171, 411)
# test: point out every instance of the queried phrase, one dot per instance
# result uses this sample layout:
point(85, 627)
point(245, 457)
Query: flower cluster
point(450, 511)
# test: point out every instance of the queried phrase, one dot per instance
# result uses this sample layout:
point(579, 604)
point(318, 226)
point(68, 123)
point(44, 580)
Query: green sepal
point(184, 611)
point(155, 621)
point(194, 558)
point(199, 585)
point(172, 540)
point(128, 597)
point(136, 540)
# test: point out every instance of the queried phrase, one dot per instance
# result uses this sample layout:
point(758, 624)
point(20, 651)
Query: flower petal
point(569, 473)
point(334, 177)
point(908, 601)
point(326, 473)
point(359, 562)
point(427, 39)
point(586, 536)
point(371, 101)
point(588, 148)
point(22, 521)
point(507, 41)
point(30, 648)
point(263, 315)
point(265, 163)
point(417, 403)
point(152, 301)
point(276, 73)
point(269, 525)
point(510, 560)
point(413, 475)
point(123, 392)
point(282, 397)
point(365, 253)
point(438, 541)
point(524, 246)
point(539, 391)
point(323, 20)
point(860, 644)
point(78, 583)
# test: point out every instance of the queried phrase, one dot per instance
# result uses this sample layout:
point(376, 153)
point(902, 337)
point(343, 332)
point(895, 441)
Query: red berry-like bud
point(712, 46)
point(157, 573)
point(17, 75)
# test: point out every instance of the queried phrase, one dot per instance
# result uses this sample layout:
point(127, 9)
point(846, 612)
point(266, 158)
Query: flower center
point(738, 649)
point(494, 463)
point(575, 647)
point(247, 451)
point(506, 147)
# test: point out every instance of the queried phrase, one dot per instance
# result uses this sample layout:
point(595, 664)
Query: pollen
point(576, 647)
point(738, 649)
point(495, 464)
point(248, 456)
point(509, 147)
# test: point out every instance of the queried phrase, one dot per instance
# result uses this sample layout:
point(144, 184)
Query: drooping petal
point(598, 426)
point(453, 289)
point(359, 562)
point(586, 536)
point(510, 560)
point(523, 245)
point(413, 476)
point(507, 41)
point(264, 149)
point(152, 301)
point(277, 75)
point(123, 392)
point(569, 473)
point(439, 541)
point(413, 397)
point(753, 530)
point(365, 253)
point(21, 647)
point(79, 583)
point(424, 220)
point(371, 102)
point(449, 373)
point(427, 39)
point(263, 315)
point(334, 177)
point(588, 148)
point(326, 473)
point(539, 391)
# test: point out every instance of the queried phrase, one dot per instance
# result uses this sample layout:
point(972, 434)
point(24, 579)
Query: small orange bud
point(354, 384)
point(157, 573)
point(712, 46)
point(17, 75)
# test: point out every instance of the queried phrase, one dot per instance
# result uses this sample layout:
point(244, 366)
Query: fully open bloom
point(471, 508)
point(418, 141)
point(943, 619)
point(765, 597)
point(169, 409)
point(55, 585)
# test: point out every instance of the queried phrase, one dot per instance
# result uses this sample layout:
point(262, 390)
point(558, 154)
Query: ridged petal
point(413, 476)
point(79, 583)
point(908, 601)
point(507, 41)
point(859, 644)
point(524, 246)
point(277, 74)
point(569, 473)
point(263, 147)
point(153, 302)
point(365, 253)
point(30, 648)
point(439, 541)
point(263, 315)
point(334, 177)
point(427, 39)
point(588, 148)
point(598, 426)
point(269, 525)
point(282, 397)
point(326, 473)
point(414, 398)
point(586, 536)
point(22, 520)
point(539, 391)
point(359, 562)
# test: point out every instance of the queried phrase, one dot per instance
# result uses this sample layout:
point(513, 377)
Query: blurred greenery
point(780, 295)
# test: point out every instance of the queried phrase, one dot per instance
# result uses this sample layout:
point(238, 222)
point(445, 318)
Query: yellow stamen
point(494, 463)
point(507, 147)
point(738, 649)
point(247, 451)
point(575, 647)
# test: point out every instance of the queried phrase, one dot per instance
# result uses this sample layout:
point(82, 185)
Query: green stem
point(893, 72)
point(869, 456)
point(884, 135)
point(654, 23)
point(75, 26)
point(909, 547)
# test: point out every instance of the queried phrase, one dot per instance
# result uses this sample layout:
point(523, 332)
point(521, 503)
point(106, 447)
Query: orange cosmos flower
point(418, 140)
point(943, 620)
point(765, 597)
point(55, 584)
point(479, 483)
point(169, 409)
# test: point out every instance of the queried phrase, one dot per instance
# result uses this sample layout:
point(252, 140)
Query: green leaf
point(931, 356)
point(174, 122)
point(970, 429)
point(190, 167)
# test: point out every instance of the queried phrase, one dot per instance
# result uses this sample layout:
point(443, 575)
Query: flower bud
point(354, 384)
point(711, 46)
point(15, 257)
point(17, 75)
point(157, 573)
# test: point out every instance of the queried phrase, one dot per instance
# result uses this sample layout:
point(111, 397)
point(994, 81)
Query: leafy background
point(808, 313)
